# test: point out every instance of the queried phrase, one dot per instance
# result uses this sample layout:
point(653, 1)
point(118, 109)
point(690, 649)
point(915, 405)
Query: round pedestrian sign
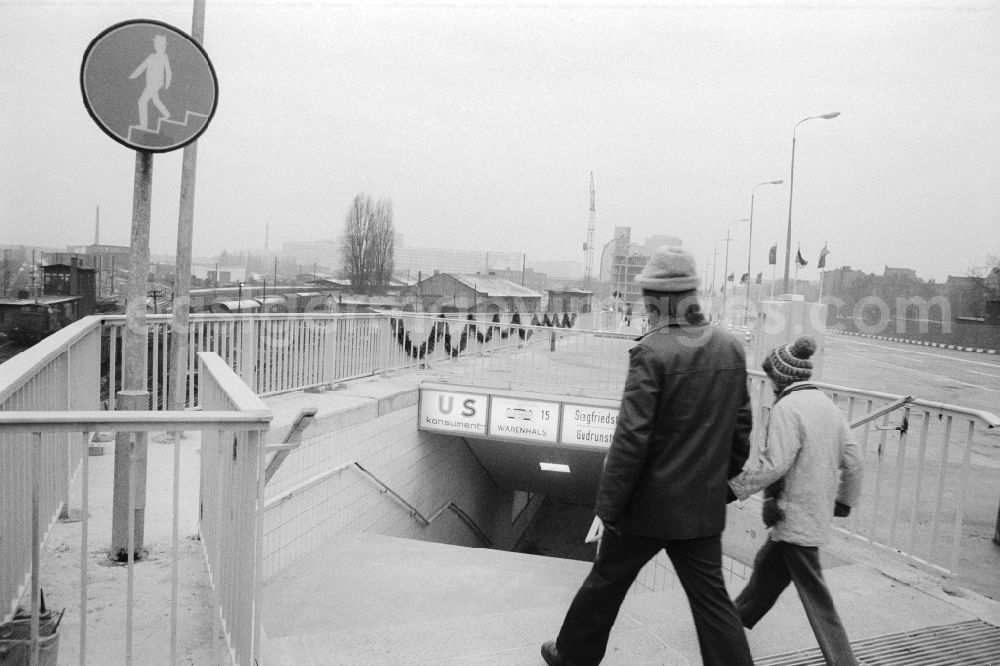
point(148, 85)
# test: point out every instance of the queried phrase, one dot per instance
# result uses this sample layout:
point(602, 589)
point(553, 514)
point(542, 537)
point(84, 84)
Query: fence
point(919, 470)
point(281, 352)
point(232, 491)
point(920, 463)
point(59, 374)
point(918, 477)
point(46, 421)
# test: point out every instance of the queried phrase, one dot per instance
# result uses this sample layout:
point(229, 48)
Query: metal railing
point(35, 439)
point(918, 470)
point(920, 462)
point(233, 470)
point(281, 352)
point(917, 479)
point(59, 374)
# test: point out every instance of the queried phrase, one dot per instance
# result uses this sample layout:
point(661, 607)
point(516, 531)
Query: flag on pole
point(772, 255)
point(798, 258)
point(760, 276)
point(732, 276)
point(822, 257)
point(745, 278)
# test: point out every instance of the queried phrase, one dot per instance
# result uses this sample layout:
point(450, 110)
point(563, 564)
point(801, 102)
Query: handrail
point(867, 418)
point(415, 513)
point(991, 420)
point(27, 422)
point(25, 365)
point(291, 442)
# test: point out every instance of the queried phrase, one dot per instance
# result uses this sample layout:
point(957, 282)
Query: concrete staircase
point(367, 599)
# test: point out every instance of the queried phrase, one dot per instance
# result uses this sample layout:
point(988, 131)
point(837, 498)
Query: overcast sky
point(483, 125)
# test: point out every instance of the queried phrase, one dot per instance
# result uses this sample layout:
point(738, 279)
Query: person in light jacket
point(683, 431)
point(810, 466)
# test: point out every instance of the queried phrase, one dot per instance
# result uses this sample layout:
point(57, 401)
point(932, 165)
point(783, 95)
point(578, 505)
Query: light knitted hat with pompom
point(786, 364)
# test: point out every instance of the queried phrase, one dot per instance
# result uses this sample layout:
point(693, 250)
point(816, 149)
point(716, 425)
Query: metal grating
point(973, 643)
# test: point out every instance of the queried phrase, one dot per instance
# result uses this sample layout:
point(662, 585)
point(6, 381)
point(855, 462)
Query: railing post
point(996, 533)
point(36, 543)
point(248, 352)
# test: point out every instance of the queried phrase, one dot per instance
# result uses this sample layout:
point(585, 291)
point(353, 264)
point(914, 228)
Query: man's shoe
point(552, 656)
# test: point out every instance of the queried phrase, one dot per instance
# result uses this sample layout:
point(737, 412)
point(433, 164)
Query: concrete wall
point(318, 492)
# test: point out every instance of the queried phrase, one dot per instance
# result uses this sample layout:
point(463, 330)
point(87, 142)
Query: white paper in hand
point(595, 532)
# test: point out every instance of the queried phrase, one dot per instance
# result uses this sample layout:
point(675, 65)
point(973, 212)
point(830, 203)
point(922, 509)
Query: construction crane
point(588, 247)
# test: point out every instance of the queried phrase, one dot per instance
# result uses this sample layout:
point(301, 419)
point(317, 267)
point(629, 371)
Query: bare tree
point(369, 244)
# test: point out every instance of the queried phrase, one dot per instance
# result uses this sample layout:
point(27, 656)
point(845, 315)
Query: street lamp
point(725, 271)
point(606, 246)
point(746, 303)
point(791, 184)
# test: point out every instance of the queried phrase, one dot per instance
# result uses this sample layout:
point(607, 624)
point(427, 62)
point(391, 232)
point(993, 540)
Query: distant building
point(322, 255)
point(107, 260)
point(470, 292)
point(213, 274)
point(59, 279)
point(570, 300)
point(905, 273)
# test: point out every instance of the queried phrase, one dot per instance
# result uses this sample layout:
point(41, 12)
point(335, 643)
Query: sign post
point(151, 88)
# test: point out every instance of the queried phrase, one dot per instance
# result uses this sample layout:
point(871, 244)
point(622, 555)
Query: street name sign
point(148, 85)
point(588, 425)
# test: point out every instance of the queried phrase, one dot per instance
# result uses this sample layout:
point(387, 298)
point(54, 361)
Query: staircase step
point(512, 637)
point(360, 580)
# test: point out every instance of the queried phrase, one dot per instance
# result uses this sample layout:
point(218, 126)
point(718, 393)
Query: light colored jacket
point(810, 444)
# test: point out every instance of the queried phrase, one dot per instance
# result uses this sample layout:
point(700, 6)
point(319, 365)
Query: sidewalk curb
point(922, 343)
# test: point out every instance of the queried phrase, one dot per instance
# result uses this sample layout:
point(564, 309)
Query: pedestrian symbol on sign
point(177, 82)
point(158, 74)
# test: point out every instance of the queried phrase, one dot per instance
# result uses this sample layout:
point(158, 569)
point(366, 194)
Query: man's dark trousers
point(620, 557)
point(778, 563)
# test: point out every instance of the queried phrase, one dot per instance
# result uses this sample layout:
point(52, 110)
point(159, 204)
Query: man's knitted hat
point(669, 269)
point(786, 364)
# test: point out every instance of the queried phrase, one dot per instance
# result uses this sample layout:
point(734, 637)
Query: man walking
point(682, 431)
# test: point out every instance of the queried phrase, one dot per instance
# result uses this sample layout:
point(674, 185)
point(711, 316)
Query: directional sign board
point(588, 425)
point(148, 85)
point(449, 411)
point(524, 419)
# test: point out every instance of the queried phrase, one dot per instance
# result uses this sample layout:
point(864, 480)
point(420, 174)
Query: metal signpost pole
point(133, 394)
point(126, 78)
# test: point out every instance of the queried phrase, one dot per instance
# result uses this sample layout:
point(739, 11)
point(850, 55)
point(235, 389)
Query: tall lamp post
point(746, 303)
point(791, 184)
point(725, 271)
point(604, 251)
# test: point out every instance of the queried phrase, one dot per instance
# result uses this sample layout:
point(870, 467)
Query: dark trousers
point(698, 563)
point(778, 563)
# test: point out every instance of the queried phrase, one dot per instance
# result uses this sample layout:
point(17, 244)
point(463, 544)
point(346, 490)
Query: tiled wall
point(425, 469)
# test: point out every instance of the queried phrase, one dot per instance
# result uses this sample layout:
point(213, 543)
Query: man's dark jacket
point(683, 430)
